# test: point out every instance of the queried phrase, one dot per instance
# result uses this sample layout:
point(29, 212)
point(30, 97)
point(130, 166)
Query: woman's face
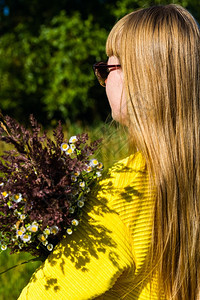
point(115, 92)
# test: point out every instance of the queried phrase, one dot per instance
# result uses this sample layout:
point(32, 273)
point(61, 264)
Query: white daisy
point(3, 247)
point(74, 178)
point(42, 237)
point(47, 231)
point(64, 147)
point(80, 203)
point(50, 247)
point(5, 194)
point(73, 139)
point(17, 198)
point(45, 243)
point(82, 184)
point(93, 162)
point(20, 231)
point(73, 147)
point(98, 174)
point(25, 237)
point(69, 151)
point(33, 227)
point(54, 229)
point(74, 222)
point(22, 216)
point(71, 210)
point(69, 231)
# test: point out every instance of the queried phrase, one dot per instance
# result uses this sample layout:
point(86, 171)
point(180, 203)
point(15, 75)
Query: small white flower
point(5, 194)
point(73, 139)
point(50, 247)
point(98, 174)
point(1, 184)
point(42, 237)
point(17, 198)
point(25, 237)
point(73, 147)
point(3, 247)
point(77, 173)
point(33, 227)
point(69, 151)
point(75, 222)
point(73, 178)
point(20, 232)
point(54, 229)
point(80, 203)
point(71, 210)
point(45, 243)
point(93, 162)
point(64, 147)
point(20, 245)
point(87, 190)
point(69, 231)
point(100, 166)
point(89, 169)
point(82, 184)
point(47, 231)
point(22, 216)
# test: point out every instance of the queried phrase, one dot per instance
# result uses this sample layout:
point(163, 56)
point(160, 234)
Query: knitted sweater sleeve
point(88, 263)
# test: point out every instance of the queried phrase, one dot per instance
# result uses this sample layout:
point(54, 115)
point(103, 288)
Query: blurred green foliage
point(46, 54)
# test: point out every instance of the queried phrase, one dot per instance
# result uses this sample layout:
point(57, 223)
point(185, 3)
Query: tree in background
point(46, 54)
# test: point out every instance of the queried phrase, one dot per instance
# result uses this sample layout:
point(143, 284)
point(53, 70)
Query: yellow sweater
point(105, 257)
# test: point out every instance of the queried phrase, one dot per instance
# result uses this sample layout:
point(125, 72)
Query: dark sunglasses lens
point(101, 72)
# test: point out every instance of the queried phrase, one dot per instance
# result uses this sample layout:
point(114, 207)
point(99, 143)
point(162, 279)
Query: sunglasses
point(101, 70)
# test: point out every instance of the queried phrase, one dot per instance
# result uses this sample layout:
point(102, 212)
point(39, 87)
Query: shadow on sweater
point(91, 236)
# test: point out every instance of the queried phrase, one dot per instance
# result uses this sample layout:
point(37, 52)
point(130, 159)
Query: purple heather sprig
point(44, 183)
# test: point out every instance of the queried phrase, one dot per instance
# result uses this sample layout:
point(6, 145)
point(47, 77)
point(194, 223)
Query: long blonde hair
point(159, 51)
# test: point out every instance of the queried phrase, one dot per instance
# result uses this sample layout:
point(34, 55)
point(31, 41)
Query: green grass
point(114, 147)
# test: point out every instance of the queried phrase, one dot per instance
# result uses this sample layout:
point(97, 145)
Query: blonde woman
point(140, 233)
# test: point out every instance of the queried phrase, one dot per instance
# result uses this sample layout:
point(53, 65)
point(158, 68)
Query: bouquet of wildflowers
point(44, 184)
